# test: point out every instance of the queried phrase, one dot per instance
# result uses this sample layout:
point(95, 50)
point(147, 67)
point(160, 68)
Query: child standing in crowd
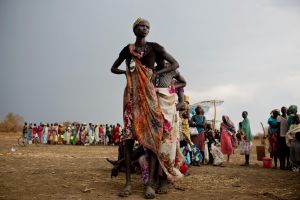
point(209, 135)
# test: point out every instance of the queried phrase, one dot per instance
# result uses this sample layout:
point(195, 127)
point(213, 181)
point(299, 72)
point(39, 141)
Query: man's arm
point(117, 63)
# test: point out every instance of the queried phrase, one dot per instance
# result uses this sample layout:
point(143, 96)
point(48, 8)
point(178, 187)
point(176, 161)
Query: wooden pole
point(215, 115)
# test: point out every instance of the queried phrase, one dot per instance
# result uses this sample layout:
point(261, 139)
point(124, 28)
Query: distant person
point(96, 133)
point(282, 147)
point(25, 130)
point(273, 135)
point(227, 130)
point(293, 109)
point(74, 134)
point(40, 131)
point(30, 133)
point(68, 134)
point(198, 120)
point(61, 131)
point(290, 135)
point(292, 117)
point(51, 135)
point(209, 135)
point(246, 136)
point(295, 152)
point(45, 133)
point(34, 133)
point(102, 135)
point(107, 134)
point(91, 136)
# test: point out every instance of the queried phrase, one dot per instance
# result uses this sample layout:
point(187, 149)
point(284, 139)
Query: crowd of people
point(75, 134)
point(213, 142)
point(282, 133)
point(284, 137)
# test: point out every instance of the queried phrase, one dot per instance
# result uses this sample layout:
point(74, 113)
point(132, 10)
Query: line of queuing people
point(284, 137)
point(208, 140)
point(75, 134)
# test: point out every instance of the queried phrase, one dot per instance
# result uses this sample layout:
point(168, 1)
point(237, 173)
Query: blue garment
point(199, 120)
point(29, 136)
point(273, 122)
point(186, 153)
point(197, 156)
point(291, 120)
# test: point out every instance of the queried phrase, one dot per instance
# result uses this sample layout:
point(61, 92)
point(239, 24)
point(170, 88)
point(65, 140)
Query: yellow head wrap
point(186, 98)
point(137, 22)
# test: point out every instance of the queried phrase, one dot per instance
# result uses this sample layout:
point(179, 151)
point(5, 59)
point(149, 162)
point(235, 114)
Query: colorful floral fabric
point(170, 155)
point(143, 119)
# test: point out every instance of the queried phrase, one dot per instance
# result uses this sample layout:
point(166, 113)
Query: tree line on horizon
point(11, 123)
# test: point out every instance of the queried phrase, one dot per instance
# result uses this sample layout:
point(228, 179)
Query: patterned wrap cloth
point(144, 119)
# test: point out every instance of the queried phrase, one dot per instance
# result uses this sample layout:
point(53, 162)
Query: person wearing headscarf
point(292, 112)
point(143, 119)
point(246, 137)
point(227, 130)
point(273, 134)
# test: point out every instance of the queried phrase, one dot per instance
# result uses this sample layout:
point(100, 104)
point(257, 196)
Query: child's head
point(208, 127)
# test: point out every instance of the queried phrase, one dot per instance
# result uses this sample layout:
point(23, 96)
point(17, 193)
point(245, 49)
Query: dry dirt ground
point(81, 172)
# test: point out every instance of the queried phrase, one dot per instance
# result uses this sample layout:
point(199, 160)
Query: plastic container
point(267, 162)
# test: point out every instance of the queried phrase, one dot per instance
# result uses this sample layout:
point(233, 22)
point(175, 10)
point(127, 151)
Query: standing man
point(282, 147)
point(246, 137)
point(142, 116)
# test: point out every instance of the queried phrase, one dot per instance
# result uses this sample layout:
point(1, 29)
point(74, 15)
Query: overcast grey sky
point(55, 55)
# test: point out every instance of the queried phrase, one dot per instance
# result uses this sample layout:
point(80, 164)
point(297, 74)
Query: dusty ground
point(68, 172)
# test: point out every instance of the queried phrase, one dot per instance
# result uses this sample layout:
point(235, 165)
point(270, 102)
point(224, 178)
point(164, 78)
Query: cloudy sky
point(55, 55)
